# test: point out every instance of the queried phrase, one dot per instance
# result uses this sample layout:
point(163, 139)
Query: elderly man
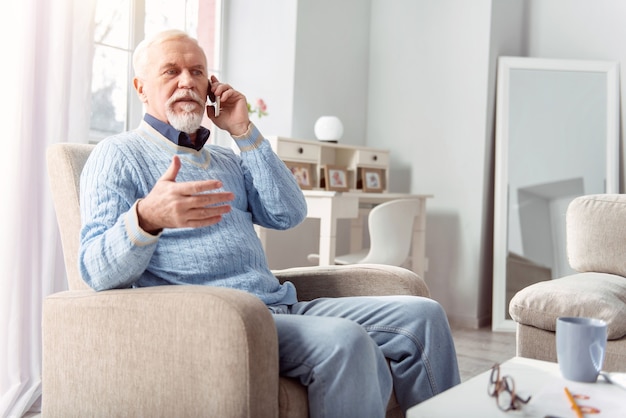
point(161, 206)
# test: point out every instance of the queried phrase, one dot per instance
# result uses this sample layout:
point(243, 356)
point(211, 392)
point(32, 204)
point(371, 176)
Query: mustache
point(185, 95)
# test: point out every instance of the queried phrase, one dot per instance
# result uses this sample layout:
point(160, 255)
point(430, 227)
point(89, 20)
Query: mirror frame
point(501, 202)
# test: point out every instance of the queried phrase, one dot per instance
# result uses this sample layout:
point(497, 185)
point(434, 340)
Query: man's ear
point(138, 84)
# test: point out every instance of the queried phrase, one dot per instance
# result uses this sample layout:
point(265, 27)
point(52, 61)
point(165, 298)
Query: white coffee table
point(540, 379)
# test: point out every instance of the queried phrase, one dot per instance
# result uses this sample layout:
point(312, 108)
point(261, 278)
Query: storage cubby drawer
point(372, 158)
point(298, 151)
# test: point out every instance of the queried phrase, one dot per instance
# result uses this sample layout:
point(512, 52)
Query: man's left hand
point(233, 115)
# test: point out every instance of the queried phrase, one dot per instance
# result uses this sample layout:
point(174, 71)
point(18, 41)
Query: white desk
point(540, 379)
point(329, 207)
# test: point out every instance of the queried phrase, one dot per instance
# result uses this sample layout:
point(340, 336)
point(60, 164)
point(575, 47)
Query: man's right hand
point(182, 205)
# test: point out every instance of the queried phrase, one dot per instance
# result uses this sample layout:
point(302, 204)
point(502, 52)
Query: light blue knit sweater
point(116, 253)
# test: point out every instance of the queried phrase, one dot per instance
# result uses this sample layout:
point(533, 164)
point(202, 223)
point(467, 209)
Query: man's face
point(175, 84)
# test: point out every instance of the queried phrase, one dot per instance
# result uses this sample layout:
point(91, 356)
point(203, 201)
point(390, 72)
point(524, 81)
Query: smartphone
point(214, 101)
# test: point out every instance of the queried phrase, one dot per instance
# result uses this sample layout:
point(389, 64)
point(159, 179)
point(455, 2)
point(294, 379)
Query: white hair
point(140, 56)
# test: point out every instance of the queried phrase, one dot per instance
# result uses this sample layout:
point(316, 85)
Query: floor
point(478, 349)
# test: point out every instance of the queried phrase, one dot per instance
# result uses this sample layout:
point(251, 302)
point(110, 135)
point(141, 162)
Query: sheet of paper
point(618, 379)
point(599, 399)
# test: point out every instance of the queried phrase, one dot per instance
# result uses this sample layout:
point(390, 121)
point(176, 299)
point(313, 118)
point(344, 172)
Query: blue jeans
point(339, 349)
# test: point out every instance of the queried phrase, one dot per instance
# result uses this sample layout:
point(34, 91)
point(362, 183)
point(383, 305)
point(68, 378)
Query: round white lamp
point(328, 128)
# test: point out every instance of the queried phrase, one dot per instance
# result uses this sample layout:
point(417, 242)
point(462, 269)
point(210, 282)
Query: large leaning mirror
point(557, 131)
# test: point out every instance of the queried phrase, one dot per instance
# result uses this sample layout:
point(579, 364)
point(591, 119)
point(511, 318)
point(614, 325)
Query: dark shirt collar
point(176, 136)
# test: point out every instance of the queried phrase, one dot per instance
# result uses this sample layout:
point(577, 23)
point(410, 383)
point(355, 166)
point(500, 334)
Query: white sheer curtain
point(46, 65)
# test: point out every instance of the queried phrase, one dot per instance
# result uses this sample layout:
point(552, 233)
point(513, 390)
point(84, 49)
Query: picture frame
point(336, 178)
point(373, 179)
point(302, 173)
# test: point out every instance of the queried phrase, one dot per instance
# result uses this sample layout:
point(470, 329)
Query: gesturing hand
point(182, 205)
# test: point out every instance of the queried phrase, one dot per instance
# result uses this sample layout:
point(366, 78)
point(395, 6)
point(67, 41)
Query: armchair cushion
point(597, 295)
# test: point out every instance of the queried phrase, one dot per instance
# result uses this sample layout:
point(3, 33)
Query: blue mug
point(580, 347)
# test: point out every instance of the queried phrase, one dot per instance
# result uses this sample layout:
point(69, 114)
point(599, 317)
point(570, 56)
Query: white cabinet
point(314, 156)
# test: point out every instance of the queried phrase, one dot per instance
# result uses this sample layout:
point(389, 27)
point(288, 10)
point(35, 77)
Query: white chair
point(390, 230)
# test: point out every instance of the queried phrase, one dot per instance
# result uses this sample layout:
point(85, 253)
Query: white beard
point(189, 119)
point(186, 121)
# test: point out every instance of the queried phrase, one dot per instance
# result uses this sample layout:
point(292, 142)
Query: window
point(119, 26)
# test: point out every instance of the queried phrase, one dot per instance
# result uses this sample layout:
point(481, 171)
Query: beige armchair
point(175, 351)
point(596, 248)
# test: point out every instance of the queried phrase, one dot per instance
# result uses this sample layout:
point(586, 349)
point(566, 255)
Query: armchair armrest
point(160, 352)
point(353, 280)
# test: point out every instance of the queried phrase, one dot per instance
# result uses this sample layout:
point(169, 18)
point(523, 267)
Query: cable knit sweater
point(116, 253)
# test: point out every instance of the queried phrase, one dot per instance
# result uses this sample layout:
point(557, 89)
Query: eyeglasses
point(503, 389)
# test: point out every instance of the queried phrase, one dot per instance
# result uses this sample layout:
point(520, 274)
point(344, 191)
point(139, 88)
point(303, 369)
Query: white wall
point(430, 73)
point(305, 58)
point(259, 56)
point(428, 67)
point(332, 66)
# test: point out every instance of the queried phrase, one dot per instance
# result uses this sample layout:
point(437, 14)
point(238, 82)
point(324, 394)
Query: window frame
point(134, 107)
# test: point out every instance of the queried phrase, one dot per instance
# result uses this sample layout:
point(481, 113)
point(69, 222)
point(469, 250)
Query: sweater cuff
point(250, 140)
point(137, 235)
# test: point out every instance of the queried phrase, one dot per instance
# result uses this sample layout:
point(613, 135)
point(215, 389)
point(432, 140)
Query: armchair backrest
point(596, 233)
point(65, 163)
